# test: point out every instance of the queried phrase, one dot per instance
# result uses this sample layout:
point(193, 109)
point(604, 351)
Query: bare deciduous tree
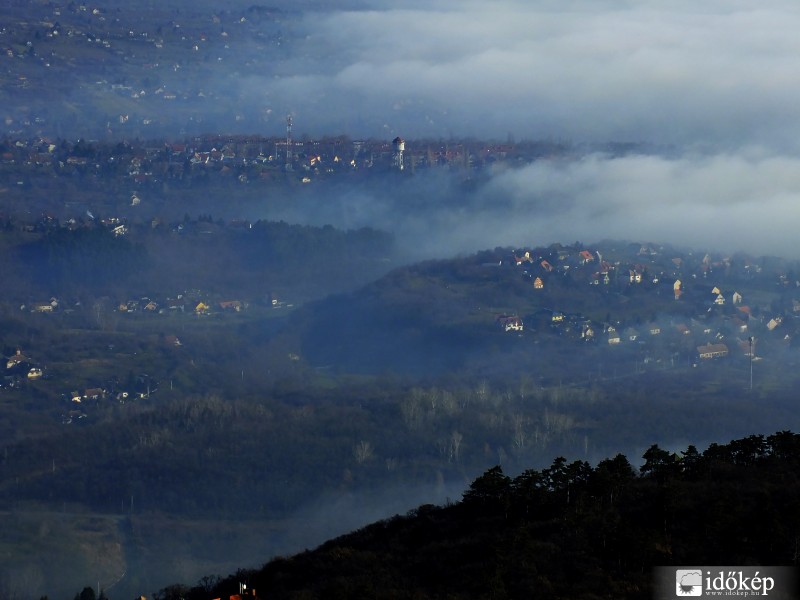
point(455, 446)
point(363, 452)
point(519, 436)
point(411, 410)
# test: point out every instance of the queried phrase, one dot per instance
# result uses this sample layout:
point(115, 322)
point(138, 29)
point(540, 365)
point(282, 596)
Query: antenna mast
point(289, 142)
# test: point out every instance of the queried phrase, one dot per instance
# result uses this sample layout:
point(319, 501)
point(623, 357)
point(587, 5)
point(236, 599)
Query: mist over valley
point(275, 272)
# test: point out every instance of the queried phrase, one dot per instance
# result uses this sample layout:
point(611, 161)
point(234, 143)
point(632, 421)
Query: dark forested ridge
point(94, 258)
point(569, 530)
point(66, 259)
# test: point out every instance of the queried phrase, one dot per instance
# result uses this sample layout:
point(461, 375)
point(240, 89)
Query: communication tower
point(289, 142)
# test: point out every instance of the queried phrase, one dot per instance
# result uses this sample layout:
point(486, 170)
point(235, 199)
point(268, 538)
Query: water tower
point(399, 146)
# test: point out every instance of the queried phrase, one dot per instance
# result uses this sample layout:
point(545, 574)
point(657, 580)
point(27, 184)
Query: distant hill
point(239, 257)
point(552, 308)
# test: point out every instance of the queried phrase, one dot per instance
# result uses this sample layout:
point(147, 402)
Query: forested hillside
point(558, 313)
point(237, 258)
point(570, 530)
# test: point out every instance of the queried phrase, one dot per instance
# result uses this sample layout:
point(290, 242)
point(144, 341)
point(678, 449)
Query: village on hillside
point(664, 305)
point(706, 307)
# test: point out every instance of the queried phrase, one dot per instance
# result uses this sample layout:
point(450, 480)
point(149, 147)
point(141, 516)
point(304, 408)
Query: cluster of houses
point(722, 324)
point(183, 304)
point(46, 306)
point(18, 368)
point(247, 158)
point(77, 401)
point(21, 367)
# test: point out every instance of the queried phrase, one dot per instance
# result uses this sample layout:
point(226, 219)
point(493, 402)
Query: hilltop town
point(252, 158)
point(721, 305)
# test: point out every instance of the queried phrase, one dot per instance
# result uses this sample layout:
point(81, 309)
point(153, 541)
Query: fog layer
point(715, 81)
point(716, 74)
point(725, 202)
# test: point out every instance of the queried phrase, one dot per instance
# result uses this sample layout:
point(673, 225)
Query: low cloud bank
point(719, 75)
point(727, 202)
